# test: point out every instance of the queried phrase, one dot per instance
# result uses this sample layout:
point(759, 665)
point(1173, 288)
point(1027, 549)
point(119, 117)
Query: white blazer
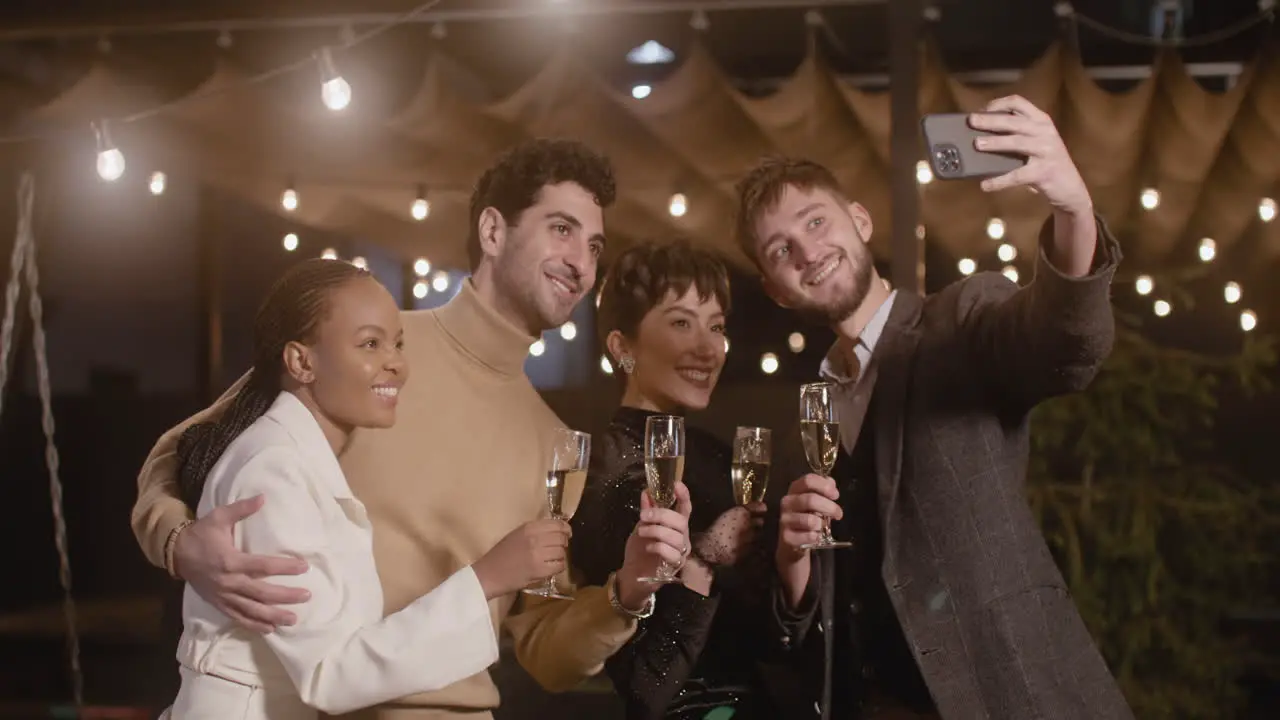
point(342, 654)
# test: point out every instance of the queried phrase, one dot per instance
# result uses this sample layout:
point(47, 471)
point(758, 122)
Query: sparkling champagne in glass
point(820, 434)
point(663, 468)
point(752, 448)
point(570, 453)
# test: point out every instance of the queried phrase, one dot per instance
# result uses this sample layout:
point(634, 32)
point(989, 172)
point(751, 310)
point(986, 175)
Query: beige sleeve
point(158, 509)
point(560, 644)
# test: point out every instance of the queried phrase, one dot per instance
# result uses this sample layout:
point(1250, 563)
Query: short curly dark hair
point(641, 277)
point(512, 184)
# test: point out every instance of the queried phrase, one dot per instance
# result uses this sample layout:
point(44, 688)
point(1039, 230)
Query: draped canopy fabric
point(1212, 156)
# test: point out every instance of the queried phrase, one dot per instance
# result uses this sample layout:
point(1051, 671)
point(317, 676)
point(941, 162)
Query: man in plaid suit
point(949, 603)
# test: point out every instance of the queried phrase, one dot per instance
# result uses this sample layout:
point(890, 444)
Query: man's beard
point(843, 307)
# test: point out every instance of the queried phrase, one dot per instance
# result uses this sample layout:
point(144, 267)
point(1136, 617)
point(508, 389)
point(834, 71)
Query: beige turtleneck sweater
point(462, 467)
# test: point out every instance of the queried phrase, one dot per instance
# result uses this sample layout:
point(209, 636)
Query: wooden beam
point(210, 270)
point(907, 253)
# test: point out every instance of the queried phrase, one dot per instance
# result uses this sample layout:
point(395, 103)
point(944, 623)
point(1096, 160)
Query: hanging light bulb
point(110, 159)
point(289, 199)
point(726, 344)
point(1150, 198)
point(1143, 285)
point(569, 330)
point(421, 208)
point(606, 367)
point(1162, 308)
point(440, 282)
point(157, 183)
point(360, 262)
point(995, 228)
point(335, 92)
point(1248, 320)
point(537, 348)
point(966, 266)
point(329, 254)
point(1208, 249)
point(1010, 272)
point(924, 173)
point(1267, 210)
point(421, 267)
point(420, 289)
point(678, 206)
point(1006, 252)
point(1232, 293)
point(795, 341)
point(769, 363)
point(291, 242)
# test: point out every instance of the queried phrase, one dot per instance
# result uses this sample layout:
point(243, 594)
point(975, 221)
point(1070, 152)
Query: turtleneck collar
point(482, 333)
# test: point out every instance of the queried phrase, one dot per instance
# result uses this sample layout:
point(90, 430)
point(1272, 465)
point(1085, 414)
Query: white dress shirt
point(854, 385)
point(342, 654)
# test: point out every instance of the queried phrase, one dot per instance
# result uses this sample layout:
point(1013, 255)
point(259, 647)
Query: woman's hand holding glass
point(660, 539)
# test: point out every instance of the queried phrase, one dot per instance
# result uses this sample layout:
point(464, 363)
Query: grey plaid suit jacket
point(983, 606)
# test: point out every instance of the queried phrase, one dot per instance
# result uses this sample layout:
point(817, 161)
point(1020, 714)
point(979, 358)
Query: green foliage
point(1157, 543)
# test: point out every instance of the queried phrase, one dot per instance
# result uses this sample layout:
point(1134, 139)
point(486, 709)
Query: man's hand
point(809, 499)
point(1027, 130)
point(532, 552)
point(661, 536)
point(205, 556)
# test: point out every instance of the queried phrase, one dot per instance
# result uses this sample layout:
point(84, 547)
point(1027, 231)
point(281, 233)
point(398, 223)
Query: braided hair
point(292, 312)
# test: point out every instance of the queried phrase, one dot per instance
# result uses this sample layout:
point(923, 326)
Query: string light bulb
point(329, 254)
point(110, 160)
point(726, 344)
point(967, 266)
point(335, 91)
point(537, 348)
point(421, 267)
point(1231, 293)
point(1006, 252)
point(1267, 209)
point(569, 330)
point(289, 198)
point(1162, 308)
point(1208, 249)
point(769, 363)
point(924, 173)
point(1010, 272)
point(1143, 285)
point(1248, 320)
point(421, 208)
point(440, 282)
point(795, 341)
point(678, 206)
point(360, 262)
point(606, 367)
point(995, 228)
point(1150, 198)
point(420, 289)
point(291, 242)
point(157, 183)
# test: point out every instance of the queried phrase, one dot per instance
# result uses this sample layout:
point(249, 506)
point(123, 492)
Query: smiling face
point(811, 247)
point(678, 351)
point(544, 260)
point(354, 366)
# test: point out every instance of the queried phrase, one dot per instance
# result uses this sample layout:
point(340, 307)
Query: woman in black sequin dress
point(662, 314)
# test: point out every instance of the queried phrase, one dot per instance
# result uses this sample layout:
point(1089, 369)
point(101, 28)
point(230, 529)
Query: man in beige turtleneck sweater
point(463, 465)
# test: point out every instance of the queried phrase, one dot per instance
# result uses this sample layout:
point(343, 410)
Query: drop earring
point(628, 364)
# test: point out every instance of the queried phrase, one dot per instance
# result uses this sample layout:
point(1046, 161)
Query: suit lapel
point(894, 355)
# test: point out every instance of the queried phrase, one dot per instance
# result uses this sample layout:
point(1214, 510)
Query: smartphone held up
point(949, 141)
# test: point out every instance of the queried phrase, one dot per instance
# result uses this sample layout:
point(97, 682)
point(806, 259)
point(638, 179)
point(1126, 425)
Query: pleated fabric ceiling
point(1211, 156)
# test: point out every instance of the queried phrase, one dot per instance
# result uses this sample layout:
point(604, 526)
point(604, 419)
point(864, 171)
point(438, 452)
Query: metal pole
point(904, 69)
point(519, 11)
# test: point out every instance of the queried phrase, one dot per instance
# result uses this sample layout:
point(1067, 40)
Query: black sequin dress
point(694, 653)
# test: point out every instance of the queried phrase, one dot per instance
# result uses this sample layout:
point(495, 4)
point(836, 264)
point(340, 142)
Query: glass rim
point(570, 432)
point(816, 385)
point(664, 418)
point(753, 428)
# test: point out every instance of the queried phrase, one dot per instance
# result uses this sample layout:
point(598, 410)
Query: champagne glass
point(752, 448)
point(663, 468)
point(570, 453)
point(820, 433)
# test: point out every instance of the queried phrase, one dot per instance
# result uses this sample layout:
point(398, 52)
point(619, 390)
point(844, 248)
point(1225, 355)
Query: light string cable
point(263, 77)
point(1265, 14)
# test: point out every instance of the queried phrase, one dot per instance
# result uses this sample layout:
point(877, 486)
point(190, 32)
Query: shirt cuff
point(1106, 254)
